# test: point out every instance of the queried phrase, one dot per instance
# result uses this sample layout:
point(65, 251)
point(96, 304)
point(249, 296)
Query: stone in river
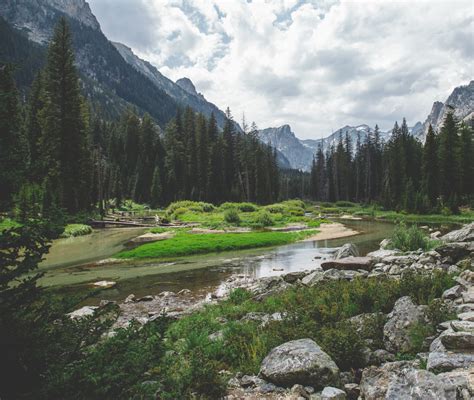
point(349, 263)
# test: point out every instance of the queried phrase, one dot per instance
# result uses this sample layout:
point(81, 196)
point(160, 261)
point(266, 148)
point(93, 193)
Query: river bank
point(274, 336)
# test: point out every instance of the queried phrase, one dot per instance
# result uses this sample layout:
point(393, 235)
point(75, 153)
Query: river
point(69, 265)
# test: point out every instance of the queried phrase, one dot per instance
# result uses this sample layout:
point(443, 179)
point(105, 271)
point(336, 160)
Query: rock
point(468, 296)
point(385, 244)
point(299, 390)
point(380, 255)
point(443, 361)
point(361, 321)
point(299, 361)
point(332, 393)
point(404, 315)
point(400, 380)
point(347, 250)
point(251, 381)
point(130, 299)
point(292, 277)
point(82, 312)
point(435, 235)
point(458, 381)
point(184, 292)
point(465, 234)
point(452, 293)
point(313, 278)
point(352, 390)
point(261, 317)
point(349, 263)
point(380, 356)
point(457, 340)
point(151, 237)
point(467, 316)
point(216, 336)
point(104, 284)
point(456, 251)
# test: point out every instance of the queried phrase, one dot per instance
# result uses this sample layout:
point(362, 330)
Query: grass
point(411, 238)
point(184, 244)
point(73, 230)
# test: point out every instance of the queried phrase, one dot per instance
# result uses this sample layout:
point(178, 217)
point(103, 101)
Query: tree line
point(401, 174)
point(59, 156)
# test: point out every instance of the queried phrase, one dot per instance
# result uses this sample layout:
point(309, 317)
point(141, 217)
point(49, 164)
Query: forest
point(64, 158)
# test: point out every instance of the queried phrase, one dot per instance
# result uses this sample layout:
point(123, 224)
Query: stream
point(69, 266)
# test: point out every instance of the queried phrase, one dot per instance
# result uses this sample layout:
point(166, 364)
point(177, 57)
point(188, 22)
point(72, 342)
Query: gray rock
point(458, 381)
point(251, 381)
point(468, 296)
point(145, 298)
point(380, 255)
point(130, 299)
point(456, 251)
point(405, 314)
point(292, 277)
point(332, 393)
point(457, 340)
point(83, 312)
point(352, 390)
point(361, 321)
point(349, 263)
point(465, 234)
point(216, 336)
point(299, 362)
point(313, 278)
point(380, 356)
point(347, 250)
point(385, 244)
point(453, 292)
point(467, 316)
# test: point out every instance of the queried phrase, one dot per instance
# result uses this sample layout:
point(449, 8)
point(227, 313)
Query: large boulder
point(456, 251)
point(313, 278)
point(347, 250)
point(400, 380)
point(441, 359)
point(404, 316)
point(332, 393)
point(349, 263)
point(300, 362)
point(465, 234)
point(380, 255)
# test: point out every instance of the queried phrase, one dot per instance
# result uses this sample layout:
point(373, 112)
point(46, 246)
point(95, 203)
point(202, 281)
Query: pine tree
point(448, 158)
point(466, 161)
point(64, 146)
point(13, 144)
point(156, 190)
point(430, 167)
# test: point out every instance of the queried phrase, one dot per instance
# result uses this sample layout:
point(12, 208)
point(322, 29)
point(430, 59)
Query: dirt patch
point(333, 230)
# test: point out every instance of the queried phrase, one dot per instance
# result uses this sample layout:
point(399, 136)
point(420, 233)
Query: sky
point(316, 65)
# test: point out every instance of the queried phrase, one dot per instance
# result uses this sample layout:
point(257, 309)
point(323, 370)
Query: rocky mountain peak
point(188, 85)
point(38, 17)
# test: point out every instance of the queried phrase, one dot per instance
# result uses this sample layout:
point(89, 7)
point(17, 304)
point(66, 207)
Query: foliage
point(410, 238)
point(231, 216)
point(73, 230)
point(244, 207)
point(264, 219)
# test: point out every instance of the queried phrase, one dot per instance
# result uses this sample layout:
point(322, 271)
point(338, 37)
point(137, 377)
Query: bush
point(196, 206)
point(410, 238)
point(73, 230)
point(231, 216)
point(275, 208)
point(264, 219)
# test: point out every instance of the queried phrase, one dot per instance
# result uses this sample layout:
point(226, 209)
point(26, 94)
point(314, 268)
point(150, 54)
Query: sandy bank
point(334, 230)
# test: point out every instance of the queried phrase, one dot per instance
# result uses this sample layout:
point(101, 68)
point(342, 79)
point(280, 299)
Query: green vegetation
point(73, 230)
point(465, 215)
point(7, 223)
point(183, 244)
point(409, 238)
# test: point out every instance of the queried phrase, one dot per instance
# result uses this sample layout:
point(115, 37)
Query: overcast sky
point(316, 65)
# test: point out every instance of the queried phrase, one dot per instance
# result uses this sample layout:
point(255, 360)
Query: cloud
point(316, 65)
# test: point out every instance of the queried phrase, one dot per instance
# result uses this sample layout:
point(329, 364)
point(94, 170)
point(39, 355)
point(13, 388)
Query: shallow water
point(197, 273)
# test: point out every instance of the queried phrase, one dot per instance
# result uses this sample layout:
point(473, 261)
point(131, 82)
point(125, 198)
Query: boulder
point(313, 278)
point(443, 361)
point(380, 356)
point(332, 393)
point(452, 293)
point(352, 390)
point(457, 340)
point(362, 321)
point(349, 263)
point(458, 381)
point(385, 244)
point(347, 250)
point(82, 312)
point(401, 380)
point(299, 362)
point(467, 316)
point(465, 234)
point(404, 315)
point(456, 250)
point(292, 277)
point(379, 255)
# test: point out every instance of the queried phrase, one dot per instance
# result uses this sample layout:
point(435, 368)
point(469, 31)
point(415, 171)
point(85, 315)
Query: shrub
point(73, 230)
point(239, 295)
point(180, 211)
point(196, 206)
point(409, 238)
point(264, 219)
point(275, 208)
point(231, 216)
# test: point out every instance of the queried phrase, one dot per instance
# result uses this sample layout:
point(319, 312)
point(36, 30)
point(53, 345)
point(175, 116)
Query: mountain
point(461, 101)
point(183, 91)
point(285, 141)
point(113, 78)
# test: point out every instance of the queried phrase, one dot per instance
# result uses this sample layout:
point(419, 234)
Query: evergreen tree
point(430, 167)
point(448, 158)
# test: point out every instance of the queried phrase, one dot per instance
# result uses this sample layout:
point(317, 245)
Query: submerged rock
point(347, 250)
point(300, 362)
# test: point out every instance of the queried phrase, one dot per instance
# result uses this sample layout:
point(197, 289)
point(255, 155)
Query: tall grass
point(410, 238)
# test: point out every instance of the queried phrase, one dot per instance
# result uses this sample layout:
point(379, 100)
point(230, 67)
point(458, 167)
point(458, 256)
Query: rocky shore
point(300, 369)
